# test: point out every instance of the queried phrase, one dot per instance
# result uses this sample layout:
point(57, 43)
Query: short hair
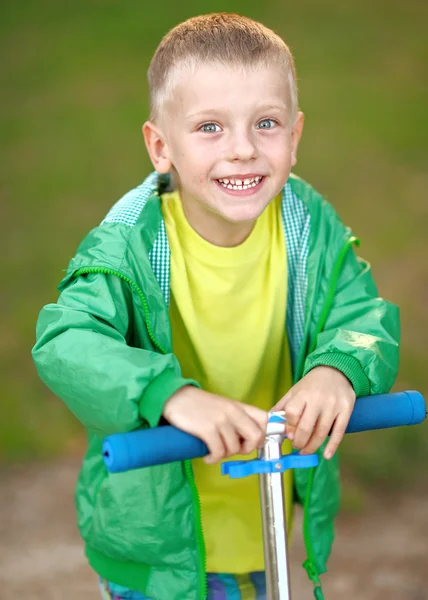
point(226, 38)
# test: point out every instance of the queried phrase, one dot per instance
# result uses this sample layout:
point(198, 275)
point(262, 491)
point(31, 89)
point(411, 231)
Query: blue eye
point(266, 124)
point(210, 128)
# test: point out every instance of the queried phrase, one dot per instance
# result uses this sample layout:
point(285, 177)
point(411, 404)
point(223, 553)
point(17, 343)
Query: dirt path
point(381, 555)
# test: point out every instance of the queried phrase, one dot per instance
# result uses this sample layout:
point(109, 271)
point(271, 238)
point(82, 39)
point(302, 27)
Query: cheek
point(192, 155)
point(192, 170)
point(197, 162)
point(279, 150)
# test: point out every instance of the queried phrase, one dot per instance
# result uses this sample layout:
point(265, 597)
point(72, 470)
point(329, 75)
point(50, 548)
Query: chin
point(243, 214)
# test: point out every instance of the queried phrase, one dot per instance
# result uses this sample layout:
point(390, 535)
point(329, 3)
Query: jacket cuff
point(345, 363)
point(158, 392)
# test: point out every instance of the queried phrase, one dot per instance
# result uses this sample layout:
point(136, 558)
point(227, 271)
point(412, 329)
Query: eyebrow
point(274, 107)
point(212, 111)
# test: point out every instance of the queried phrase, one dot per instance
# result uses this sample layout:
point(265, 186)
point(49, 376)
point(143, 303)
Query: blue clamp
point(242, 468)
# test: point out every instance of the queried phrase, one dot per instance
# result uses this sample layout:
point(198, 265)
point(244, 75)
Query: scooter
point(164, 444)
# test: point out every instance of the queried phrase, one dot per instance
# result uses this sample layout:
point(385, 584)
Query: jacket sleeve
point(82, 354)
point(361, 332)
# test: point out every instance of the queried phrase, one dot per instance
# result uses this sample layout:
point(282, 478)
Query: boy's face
point(228, 138)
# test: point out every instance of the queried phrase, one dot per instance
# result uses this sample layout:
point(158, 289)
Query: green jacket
point(105, 349)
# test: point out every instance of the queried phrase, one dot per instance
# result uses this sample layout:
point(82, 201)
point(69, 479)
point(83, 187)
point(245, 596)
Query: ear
point(296, 134)
point(156, 147)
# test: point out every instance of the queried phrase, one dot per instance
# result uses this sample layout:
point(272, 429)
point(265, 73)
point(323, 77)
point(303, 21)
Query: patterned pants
point(221, 586)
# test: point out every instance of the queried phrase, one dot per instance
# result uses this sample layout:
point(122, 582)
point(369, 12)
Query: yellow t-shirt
point(228, 332)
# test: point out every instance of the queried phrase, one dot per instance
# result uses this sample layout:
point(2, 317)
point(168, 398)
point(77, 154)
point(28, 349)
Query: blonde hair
point(224, 38)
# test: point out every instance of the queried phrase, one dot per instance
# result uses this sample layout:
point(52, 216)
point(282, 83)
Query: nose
point(241, 147)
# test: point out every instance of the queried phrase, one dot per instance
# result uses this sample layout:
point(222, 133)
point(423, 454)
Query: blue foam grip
point(387, 410)
point(148, 447)
point(165, 444)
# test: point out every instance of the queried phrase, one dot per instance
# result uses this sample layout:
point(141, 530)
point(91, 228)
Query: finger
point(217, 450)
point(320, 433)
point(306, 426)
point(290, 431)
point(249, 445)
point(293, 413)
point(258, 415)
point(231, 439)
point(281, 403)
point(252, 432)
point(251, 439)
point(337, 434)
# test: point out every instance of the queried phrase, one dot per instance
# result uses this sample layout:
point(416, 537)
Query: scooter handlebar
point(165, 444)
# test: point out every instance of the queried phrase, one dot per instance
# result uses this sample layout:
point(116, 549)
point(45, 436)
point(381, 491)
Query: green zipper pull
point(315, 578)
point(318, 593)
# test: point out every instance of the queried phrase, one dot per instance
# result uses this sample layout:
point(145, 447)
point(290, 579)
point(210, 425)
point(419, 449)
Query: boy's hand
point(226, 426)
point(322, 400)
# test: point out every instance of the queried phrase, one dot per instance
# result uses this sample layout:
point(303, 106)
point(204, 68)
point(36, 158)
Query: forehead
point(229, 89)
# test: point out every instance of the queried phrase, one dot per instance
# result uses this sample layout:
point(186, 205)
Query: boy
point(204, 295)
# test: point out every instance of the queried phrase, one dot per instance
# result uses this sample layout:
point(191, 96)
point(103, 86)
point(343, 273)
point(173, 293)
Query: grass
point(74, 97)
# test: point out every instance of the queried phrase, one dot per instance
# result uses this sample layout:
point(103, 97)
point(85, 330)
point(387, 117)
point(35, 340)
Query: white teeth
point(239, 184)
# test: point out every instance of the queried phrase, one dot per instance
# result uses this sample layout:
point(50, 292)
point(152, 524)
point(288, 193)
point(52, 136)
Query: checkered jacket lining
point(296, 225)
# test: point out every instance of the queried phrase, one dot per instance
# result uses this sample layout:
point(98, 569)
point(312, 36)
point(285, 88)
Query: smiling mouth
point(240, 184)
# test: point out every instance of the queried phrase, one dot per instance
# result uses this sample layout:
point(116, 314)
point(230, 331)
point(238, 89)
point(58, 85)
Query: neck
point(214, 229)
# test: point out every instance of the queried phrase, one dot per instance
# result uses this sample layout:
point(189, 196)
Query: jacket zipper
point(203, 585)
point(202, 557)
point(135, 287)
point(309, 564)
point(332, 287)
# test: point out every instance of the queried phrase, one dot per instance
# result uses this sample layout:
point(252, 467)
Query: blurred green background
point(74, 96)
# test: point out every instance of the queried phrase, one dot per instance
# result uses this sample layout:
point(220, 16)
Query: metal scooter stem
point(270, 465)
point(274, 523)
